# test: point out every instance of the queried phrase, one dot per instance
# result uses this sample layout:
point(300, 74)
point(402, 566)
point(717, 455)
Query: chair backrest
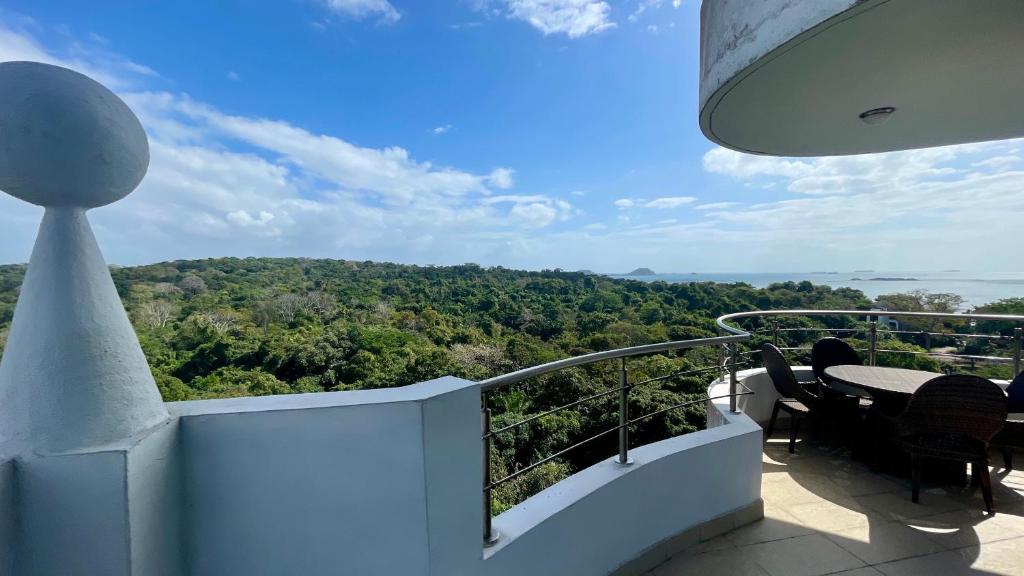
point(782, 375)
point(959, 404)
point(829, 352)
point(1015, 394)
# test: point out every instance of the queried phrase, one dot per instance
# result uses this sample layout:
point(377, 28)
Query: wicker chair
point(953, 418)
point(848, 405)
point(829, 352)
point(796, 400)
point(1012, 434)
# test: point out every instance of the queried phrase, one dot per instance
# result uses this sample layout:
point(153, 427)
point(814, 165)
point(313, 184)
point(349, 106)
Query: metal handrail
point(728, 363)
point(541, 369)
point(623, 390)
point(722, 320)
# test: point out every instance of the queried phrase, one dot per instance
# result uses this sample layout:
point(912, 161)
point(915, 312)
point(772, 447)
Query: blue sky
point(525, 133)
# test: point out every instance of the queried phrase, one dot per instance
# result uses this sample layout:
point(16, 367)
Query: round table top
point(880, 379)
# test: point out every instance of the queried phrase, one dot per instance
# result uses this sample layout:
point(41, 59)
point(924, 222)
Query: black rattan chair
point(1012, 434)
point(849, 405)
point(953, 418)
point(796, 400)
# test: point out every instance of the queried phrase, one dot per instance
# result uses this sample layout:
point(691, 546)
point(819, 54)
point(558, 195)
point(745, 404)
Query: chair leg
point(1008, 457)
point(986, 485)
point(793, 431)
point(915, 477)
point(975, 475)
point(771, 423)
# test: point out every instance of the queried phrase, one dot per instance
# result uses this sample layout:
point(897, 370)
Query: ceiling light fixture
point(877, 115)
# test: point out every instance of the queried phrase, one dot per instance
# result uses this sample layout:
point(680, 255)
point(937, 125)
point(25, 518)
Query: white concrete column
point(73, 375)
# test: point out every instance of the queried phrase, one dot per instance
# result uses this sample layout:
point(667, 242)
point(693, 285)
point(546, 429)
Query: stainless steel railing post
point(775, 334)
point(721, 354)
point(873, 351)
point(490, 536)
point(623, 413)
point(733, 382)
point(1016, 351)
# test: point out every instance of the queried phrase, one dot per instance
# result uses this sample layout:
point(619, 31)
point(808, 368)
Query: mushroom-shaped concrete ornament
point(72, 374)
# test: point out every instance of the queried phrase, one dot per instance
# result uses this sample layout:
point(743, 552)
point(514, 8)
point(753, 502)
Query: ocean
point(975, 289)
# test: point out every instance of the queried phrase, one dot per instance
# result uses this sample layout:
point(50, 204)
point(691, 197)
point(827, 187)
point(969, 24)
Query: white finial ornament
point(72, 374)
point(65, 140)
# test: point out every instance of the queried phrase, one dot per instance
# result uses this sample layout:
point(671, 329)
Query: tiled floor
point(827, 514)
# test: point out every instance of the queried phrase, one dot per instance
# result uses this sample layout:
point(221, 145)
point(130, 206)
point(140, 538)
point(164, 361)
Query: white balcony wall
point(605, 516)
point(370, 482)
point(7, 517)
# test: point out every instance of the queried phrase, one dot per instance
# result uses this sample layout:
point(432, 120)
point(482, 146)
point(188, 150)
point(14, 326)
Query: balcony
point(825, 513)
point(99, 476)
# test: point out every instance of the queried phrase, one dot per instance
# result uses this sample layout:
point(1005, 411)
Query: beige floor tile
point(963, 528)
point(865, 484)
point(1003, 557)
point(829, 517)
point(941, 564)
point(713, 545)
point(879, 542)
point(898, 505)
point(791, 490)
point(865, 571)
point(722, 563)
point(777, 527)
point(811, 555)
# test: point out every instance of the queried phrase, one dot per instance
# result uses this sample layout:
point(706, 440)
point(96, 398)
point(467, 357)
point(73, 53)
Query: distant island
point(884, 279)
point(642, 272)
point(585, 271)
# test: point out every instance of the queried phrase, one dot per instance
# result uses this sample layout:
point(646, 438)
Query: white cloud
point(534, 215)
point(596, 226)
point(574, 18)
point(501, 178)
point(645, 5)
point(670, 202)
point(579, 193)
point(233, 76)
point(715, 206)
point(999, 163)
point(360, 9)
point(667, 202)
point(227, 184)
point(443, 129)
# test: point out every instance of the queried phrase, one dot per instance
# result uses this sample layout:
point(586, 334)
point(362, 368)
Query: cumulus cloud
point(670, 202)
point(229, 184)
point(715, 206)
point(645, 5)
point(443, 129)
point(361, 9)
point(501, 178)
point(666, 202)
point(574, 18)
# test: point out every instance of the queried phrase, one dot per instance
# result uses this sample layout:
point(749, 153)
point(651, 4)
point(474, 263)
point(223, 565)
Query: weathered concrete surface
point(73, 375)
point(793, 78)
point(736, 33)
point(8, 513)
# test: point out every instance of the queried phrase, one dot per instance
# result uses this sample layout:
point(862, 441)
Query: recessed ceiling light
point(877, 115)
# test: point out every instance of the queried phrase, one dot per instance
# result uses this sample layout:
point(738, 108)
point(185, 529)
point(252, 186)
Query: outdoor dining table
point(891, 388)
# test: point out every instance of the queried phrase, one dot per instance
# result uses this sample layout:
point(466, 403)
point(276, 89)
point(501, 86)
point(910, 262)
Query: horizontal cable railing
point(728, 362)
point(730, 359)
point(873, 330)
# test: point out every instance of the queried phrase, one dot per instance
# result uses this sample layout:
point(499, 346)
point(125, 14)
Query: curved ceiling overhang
point(817, 77)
